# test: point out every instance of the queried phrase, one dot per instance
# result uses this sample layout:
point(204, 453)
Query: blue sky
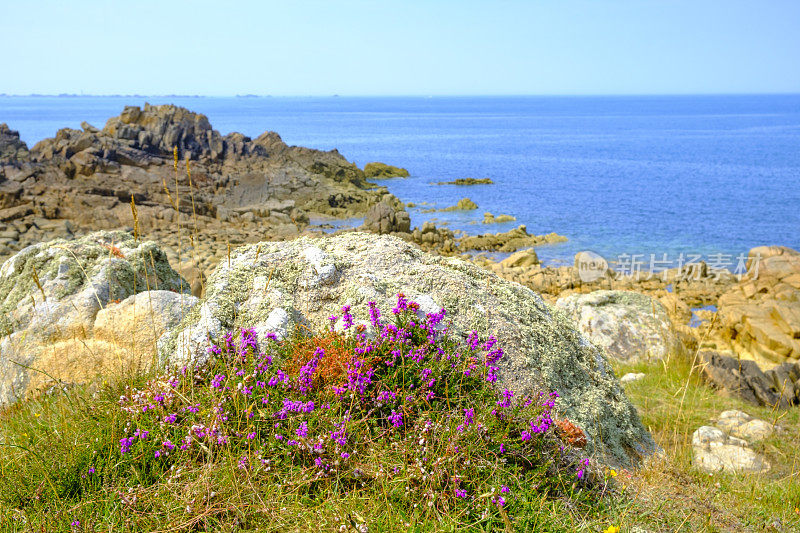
point(415, 47)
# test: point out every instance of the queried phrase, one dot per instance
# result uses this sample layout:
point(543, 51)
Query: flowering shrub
point(397, 403)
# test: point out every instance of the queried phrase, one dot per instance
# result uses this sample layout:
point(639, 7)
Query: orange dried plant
point(332, 368)
point(116, 252)
point(571, 434)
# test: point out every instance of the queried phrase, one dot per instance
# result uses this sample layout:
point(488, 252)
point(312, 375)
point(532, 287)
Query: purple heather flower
point(506, 401)
point(306, 377)
point(217, 381)
point(214, 350)
point(461, 493)
point(347, 318)
point(302, 430)
point(396, 419)
point(385, 396)
point(582, 468)
point(249, 339)
point(374, 314)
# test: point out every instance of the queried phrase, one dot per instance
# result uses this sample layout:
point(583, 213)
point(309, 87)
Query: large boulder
point(52, 294)
point(135, 324)
point(282, 286)
point(628, 325)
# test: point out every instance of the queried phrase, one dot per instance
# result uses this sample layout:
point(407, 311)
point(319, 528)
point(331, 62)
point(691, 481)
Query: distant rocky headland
point(166, 174)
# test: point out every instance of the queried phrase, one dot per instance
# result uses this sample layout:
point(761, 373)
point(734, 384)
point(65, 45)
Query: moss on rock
point(378, 170)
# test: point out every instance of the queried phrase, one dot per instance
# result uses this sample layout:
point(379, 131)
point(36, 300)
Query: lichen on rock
point(628, 325)
point(51, 294)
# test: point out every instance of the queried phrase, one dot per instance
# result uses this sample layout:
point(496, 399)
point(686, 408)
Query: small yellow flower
point(613, 473)
point(611, 529)
point(37, 415)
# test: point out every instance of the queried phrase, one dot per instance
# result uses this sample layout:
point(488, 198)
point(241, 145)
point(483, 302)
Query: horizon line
point(417, 95)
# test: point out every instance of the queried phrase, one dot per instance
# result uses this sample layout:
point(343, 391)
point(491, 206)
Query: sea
point(650, 177)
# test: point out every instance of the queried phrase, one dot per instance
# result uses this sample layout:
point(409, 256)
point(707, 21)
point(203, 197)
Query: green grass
point(50, 442)
point(62, 461)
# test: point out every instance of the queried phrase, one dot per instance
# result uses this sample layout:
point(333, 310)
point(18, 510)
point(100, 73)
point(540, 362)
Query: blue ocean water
point(616, 175)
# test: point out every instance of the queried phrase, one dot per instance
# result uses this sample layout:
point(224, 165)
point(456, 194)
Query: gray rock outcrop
point(628, 325)
point(383, 218)
point(11, 147)
point(715, 451)
point(744, 379)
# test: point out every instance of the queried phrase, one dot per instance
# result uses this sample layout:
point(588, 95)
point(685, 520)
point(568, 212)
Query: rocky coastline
point(159, 206)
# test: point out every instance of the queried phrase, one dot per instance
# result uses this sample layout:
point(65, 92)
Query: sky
point(413, 47)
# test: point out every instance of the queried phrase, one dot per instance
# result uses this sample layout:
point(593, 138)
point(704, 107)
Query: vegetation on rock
point(401, 413)
point(376, 170)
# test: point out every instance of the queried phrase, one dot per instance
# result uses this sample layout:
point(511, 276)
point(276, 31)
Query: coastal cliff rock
point(760, 316)
point(289, 286)
point(186, 180)
point(11, 147)
point(54, 295)
point(628, 325)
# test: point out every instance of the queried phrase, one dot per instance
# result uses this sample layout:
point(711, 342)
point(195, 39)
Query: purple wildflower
point(396, 419)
